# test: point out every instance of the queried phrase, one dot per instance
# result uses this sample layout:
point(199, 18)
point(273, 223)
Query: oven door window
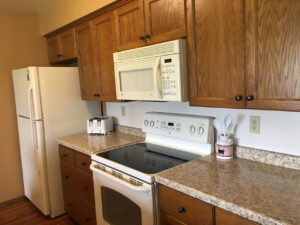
point(119, 210)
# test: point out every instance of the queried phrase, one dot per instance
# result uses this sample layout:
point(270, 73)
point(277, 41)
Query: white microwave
point(153, 73)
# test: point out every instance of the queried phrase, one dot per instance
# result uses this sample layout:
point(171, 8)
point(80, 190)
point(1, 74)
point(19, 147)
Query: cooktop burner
point(148, 158)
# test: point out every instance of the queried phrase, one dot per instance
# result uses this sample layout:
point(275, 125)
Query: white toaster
point(100, 125)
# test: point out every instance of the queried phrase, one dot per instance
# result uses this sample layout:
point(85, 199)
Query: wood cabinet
point(244, 54)
point(216, 41)
point(89, 78)
point(143, 22)
point(62, 47)
point(273, 54)
point(78, 186)
point(177, 208)
point(226, 218)
point(105, 45)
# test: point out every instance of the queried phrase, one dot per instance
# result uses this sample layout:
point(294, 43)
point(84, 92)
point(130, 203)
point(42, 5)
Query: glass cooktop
point(148, 158)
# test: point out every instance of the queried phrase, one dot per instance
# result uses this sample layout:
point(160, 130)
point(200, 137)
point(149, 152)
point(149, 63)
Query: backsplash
point(279, 131)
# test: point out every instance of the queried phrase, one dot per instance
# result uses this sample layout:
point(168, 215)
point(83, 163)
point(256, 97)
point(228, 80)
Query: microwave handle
point(158, 76)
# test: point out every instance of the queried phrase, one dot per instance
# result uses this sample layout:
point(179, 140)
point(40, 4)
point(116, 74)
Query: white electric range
point(125, 192)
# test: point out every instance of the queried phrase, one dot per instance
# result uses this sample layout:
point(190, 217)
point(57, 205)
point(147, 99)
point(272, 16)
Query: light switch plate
point(254, 124)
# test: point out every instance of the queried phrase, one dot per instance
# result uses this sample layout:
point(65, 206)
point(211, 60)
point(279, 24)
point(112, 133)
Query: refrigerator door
point(64, 114)
point(33, 163)
point(27, 94)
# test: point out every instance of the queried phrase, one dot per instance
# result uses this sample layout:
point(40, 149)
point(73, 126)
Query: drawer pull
point(69, 204)
point(65, 155)
point(85, 188)
point(181, 209)
point(83, 164)
point(67, 177)
point(87, 219)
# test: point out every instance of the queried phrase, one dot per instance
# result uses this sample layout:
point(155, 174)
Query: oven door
point(139, 79)
point(119, 201)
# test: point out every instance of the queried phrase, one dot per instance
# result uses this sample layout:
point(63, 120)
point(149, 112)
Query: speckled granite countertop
point(263, 193)
point(89, 144)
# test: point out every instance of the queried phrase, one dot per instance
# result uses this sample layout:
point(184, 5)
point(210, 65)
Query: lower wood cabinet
point(177, 208)
point(78, 186)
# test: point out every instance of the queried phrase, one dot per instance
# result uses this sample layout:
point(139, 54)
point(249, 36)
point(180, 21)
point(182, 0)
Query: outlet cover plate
point(254, 124)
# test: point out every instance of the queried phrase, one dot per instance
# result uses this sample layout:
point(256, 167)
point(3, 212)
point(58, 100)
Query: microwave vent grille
point(149, 51)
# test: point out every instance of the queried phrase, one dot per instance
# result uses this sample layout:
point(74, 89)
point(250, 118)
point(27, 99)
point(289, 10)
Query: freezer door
point(33, 163)
point(27, 94)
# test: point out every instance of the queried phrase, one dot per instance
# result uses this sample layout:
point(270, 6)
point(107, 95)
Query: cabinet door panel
point(226, 218)
point(217, 52)
point(273, 54)
point(105, 46)
point(165, 20)
point(129, 25)
point(54, 51)
point(68, 45)
point(86, 61)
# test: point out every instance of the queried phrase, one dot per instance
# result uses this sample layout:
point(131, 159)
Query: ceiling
point(24, 5)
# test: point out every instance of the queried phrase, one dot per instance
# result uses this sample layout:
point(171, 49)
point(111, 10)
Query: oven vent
point(166, 48)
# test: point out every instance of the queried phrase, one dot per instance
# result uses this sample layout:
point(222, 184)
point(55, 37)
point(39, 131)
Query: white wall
point(279, 131)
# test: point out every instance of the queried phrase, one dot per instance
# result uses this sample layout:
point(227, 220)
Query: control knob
point(201, 130)
point(146, 123)
point(151, 123)
point(192, 129)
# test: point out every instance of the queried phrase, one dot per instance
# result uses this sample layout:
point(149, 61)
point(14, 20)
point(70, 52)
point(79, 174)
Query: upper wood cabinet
point(142, 22)
point(244, 54)
point(165, 20)
point(273, 54)
point(105, 45)
point(89, 78)
point(62, 47)
point(216, 41)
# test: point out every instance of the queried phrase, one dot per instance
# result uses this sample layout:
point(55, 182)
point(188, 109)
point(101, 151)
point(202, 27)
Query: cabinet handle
point(65, 155)
point(238, 98)
point(69, 204)
point(181, 209)
point(97, 95)
point(59, 55)
point(67, 177)
point(87, 219)
point(147, 36)
point(250, 98)
point(85, 188)
point(83, 164)
point(142, 38)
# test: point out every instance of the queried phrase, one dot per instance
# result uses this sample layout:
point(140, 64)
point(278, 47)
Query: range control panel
point(183, 126)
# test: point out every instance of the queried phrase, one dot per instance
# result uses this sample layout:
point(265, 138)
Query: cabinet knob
point(87, 219)
point(147, 36)
point(97, 95)
point(181, 209)
point(85, 188)
point(83, 164)
point(59, 55)
point(69, 204)
point(65, 155)
point(67, 177)
point(238, 98)
point(250, 98)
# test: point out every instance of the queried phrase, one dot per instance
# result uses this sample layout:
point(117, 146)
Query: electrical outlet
point(123, 110)
point(255, 124)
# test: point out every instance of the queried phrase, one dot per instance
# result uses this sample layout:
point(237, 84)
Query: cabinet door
point(129, 25)
point(273, 54)
point(166, 219)
point(68, 45)
point(89, 77)
point(105, 46)
point(54, 50)
point(226, 218)
point(216, 42)
point(165, 20)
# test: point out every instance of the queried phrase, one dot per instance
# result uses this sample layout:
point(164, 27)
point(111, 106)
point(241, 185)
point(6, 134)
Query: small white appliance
point(100, 125)
point(153, 73)
point(48, 106)
point(124, 187)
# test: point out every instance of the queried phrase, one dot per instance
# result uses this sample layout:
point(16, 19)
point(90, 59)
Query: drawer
point(67, 154)
point(83, 162)
point(226, 218)
point(77, 181)
point(185, 208)
point(78, 210)
point(169, 220)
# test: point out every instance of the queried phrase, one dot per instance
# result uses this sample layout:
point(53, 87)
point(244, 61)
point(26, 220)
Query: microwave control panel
point(170, 70)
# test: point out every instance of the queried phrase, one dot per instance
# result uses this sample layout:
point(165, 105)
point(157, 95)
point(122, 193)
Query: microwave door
point(138, 80)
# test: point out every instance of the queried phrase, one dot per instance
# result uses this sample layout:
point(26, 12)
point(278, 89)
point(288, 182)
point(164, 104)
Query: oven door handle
point(142, 188)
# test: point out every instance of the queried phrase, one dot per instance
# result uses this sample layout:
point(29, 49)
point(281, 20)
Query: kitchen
point(278, 131)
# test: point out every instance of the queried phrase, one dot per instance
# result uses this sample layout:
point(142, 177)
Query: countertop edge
point(220, 203)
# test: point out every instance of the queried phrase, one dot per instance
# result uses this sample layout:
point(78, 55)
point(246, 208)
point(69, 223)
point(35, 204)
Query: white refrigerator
point(48, 106)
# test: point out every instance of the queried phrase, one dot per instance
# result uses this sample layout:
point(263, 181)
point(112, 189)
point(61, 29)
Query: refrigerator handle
point(30, 103)
point(34, 135)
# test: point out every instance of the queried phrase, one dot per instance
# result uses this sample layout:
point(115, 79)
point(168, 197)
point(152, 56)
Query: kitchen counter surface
point(89, 144)
point(263, 193)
